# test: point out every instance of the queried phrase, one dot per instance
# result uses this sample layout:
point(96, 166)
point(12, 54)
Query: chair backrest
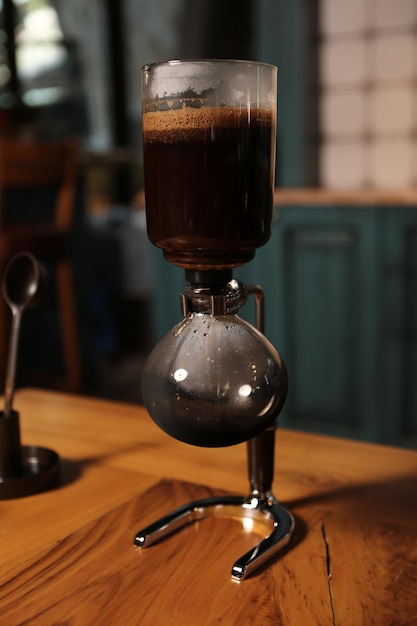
point(34, 165)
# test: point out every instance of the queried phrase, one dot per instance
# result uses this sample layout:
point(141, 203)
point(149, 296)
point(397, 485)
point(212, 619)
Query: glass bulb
point(214, 381)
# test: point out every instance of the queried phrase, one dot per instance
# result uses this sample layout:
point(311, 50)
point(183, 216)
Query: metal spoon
point(22, 284)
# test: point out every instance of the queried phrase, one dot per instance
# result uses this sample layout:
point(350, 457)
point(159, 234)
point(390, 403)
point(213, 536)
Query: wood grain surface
point(68, 555)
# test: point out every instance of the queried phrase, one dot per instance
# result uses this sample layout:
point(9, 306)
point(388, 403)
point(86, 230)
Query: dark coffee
point(209, 177)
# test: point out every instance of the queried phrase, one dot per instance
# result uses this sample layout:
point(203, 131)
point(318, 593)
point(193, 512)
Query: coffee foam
point(201, 119)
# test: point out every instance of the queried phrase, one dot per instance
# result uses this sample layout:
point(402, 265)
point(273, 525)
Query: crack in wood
point(329, 570)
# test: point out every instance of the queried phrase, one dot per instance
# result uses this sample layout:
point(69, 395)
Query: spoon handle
point(11, 362)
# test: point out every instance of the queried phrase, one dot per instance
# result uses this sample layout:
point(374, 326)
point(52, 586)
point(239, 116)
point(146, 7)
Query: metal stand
point(260, 505)
point(24, 470)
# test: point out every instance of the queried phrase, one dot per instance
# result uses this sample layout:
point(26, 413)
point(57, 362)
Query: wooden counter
point(336, 198)
point(67, 554)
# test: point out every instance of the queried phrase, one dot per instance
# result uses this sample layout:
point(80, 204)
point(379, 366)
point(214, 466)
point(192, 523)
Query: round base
point(39, 467)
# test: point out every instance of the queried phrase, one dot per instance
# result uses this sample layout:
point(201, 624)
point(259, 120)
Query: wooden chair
point(32, 175)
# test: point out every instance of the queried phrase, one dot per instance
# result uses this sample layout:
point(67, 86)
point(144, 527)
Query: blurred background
point(340, 270)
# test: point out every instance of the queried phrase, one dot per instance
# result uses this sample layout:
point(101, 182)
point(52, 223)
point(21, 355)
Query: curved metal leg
point(260, 505)
point(268, 548)
point(192, 512)
point(266, 511)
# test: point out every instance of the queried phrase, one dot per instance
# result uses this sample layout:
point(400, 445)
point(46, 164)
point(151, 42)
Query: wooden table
point(68, 558)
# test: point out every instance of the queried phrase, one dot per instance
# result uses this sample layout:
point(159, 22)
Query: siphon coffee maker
point(209, 132)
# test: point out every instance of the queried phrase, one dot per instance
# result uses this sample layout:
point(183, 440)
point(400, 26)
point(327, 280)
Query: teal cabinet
point(320, 316)
point(340, 289)
point(398, 318)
